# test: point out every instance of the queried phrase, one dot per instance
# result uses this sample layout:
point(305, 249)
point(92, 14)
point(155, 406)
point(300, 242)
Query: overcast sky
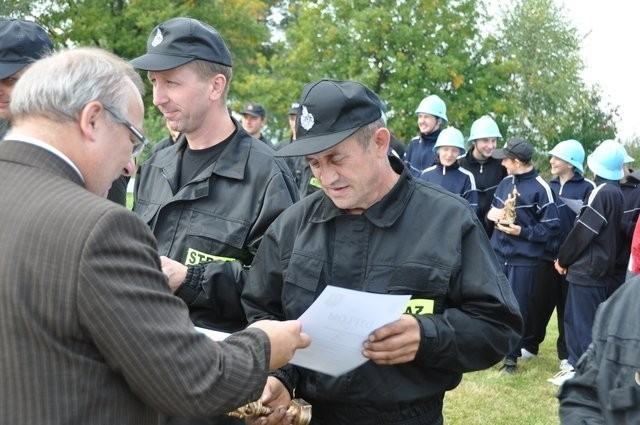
point(611, 54)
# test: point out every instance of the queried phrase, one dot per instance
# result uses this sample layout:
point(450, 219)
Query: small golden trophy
point(300, 409)
point(510, 208)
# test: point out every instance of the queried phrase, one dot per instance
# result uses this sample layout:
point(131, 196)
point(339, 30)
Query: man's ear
point(218, 84)
point(382, 139)
point(89, 116)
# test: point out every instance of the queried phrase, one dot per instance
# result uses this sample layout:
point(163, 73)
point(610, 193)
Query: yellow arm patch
point(419, 307)
point(315, 182)
point(196, 257)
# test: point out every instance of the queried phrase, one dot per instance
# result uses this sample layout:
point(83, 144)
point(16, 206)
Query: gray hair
point(60, 85)
point(365, 133)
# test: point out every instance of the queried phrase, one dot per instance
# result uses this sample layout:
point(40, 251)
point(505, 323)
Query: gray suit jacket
point(89, 331)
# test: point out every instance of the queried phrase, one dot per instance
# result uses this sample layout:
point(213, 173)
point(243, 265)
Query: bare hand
point(509, 229)
point(285, 337)
point(275, 396)
point(394, 343)
point(495, 214)
point(561, 270)
point(175, 271)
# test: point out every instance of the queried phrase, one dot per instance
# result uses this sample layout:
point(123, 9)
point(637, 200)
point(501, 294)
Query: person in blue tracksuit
point(432, 117)
point(447, 172)
point(588, 255)
point(487, 171)
point(520, 244)
point(550, 290)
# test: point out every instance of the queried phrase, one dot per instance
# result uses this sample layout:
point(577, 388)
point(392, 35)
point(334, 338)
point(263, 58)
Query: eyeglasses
point(141, 141)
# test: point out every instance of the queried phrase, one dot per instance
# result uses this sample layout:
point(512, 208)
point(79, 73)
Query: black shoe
point(509, 367)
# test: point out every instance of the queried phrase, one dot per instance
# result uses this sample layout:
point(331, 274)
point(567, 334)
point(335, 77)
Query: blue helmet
point(484, 128)
point(607, 160)
point(570, 151)
point(450, 136)
point(435, 106)
point(627, 158)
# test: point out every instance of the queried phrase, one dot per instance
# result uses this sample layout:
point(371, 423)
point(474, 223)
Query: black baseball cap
point(181, 40)
point(330, 111)
point(254, 109)
point(294, 108)
point(515, 148)
point(21, 43)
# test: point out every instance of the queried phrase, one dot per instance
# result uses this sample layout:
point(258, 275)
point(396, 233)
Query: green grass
point(489, 397)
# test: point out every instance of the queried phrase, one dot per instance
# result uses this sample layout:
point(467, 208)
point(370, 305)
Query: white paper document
point(214, 335)
point(574, 204)
point(338, 322)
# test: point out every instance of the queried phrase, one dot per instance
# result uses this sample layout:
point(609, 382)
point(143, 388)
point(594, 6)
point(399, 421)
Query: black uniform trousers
point(549, 292)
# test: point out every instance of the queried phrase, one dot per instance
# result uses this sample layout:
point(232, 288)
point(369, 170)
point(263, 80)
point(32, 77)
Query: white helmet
point(607, 160)
point(484, 128)
point(450, 136)
point(570, 151)
point(435, 106)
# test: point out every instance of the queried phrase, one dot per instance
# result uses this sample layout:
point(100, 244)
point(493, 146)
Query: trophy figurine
point(510, 208)
point(300, 409)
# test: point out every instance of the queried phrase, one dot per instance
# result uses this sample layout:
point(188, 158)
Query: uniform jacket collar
point(382, 214)
point(531, 174)
point(231, 163)
point(472, 159)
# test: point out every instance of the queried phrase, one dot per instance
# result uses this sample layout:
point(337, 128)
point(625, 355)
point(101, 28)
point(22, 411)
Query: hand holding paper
point(395, 343)
point(340, 321)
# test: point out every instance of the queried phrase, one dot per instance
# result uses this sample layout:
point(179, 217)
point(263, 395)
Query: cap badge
point(157, 39)
point(306, 119)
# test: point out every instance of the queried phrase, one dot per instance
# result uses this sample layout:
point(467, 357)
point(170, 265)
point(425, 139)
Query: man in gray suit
point(90, 331)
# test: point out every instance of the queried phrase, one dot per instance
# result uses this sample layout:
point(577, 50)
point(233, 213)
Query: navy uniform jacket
point(536, 214)
point(215, 223)
point(487, 175)
point(455, 179)
point(470, 317)
point(419, 154)
point(570, 198)
point(590, 249)
point(605, 387)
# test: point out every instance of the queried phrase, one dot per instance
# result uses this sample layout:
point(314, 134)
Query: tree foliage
point(547, 99)
point(523, 69)
point(403, 50)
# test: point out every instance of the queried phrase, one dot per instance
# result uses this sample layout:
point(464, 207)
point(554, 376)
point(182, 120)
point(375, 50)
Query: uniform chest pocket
point(302, 284)
point(224, 230)
point(428, 286)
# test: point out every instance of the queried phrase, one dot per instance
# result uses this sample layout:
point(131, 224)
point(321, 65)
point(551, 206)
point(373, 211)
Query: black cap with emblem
point(181, 40)
point(329, 112)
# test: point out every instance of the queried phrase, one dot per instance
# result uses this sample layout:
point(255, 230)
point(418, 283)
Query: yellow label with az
point(419, 306)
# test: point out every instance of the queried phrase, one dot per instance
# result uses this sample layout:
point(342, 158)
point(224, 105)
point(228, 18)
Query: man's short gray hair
point(365, 134)
point(60, 85)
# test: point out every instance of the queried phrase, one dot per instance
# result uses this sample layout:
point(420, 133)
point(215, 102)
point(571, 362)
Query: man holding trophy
point(526, 219)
